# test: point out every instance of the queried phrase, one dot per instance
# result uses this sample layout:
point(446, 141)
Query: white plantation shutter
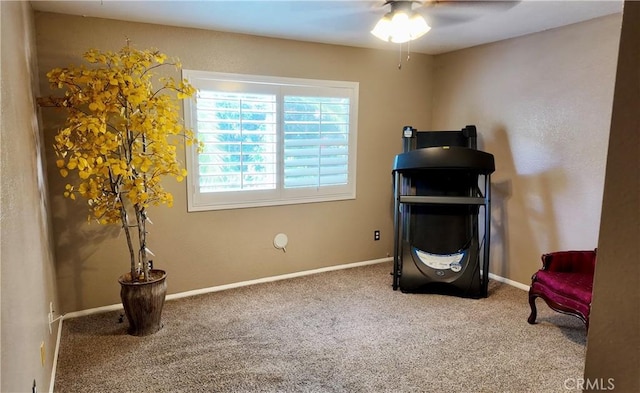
point(238, 132)
point(270, 141)
point(316, 141)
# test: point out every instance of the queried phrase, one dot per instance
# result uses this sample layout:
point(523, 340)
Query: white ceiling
point(455, 24)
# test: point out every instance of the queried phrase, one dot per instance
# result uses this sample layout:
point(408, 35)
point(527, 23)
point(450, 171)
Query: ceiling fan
point(406, 20)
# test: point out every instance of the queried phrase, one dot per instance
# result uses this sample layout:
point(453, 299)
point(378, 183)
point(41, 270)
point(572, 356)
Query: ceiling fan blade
point(439, 13)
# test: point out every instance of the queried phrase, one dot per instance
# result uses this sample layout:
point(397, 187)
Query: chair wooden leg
point(534, 311)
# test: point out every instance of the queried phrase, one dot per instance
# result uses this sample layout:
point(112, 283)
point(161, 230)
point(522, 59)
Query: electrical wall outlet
point(376, 235)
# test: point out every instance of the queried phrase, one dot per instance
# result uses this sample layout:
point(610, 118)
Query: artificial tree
point(120, 138)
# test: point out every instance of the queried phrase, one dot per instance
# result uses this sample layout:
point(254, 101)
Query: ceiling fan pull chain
point(400, 54)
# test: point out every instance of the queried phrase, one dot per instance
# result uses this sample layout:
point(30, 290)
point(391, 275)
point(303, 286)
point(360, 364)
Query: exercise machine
point(442, 213)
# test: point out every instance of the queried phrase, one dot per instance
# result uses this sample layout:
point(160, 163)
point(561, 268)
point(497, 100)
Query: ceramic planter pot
point(143, 302)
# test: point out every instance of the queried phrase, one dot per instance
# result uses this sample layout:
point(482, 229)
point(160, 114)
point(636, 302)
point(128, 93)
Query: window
point(270, 141)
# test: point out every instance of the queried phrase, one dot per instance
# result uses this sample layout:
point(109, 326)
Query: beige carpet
point(342, 331)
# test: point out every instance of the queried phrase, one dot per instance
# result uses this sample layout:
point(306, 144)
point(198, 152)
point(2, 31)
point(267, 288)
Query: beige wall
point(614, 343)
point(542, 104)
point(28, 277)
point(205, 249)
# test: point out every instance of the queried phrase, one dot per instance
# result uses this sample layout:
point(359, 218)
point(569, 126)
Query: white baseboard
point(55, 356)
point(219, 288)
point(516, 284)
point(275, 278)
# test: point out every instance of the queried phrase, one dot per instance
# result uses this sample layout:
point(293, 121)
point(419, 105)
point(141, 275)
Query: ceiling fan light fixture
point(401, 24)
point(418, 26)
point(382, 29)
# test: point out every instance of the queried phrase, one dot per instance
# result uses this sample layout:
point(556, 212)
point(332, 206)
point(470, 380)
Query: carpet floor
point(340, 331)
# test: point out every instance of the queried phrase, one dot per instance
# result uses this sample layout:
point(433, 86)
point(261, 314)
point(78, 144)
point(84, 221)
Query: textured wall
point(28, 277)
point(542, 104)
point(205, 249)
point(613, 352)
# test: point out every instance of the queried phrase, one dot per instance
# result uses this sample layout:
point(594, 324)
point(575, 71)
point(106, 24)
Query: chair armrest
point(570, 261)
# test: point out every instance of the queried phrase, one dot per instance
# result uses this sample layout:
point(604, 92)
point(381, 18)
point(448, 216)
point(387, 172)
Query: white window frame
point(216, 81)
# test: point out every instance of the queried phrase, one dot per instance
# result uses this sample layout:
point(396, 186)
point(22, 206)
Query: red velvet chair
point(565, 282)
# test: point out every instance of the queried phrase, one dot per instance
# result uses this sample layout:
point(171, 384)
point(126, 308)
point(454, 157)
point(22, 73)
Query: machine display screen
point(439, 261)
